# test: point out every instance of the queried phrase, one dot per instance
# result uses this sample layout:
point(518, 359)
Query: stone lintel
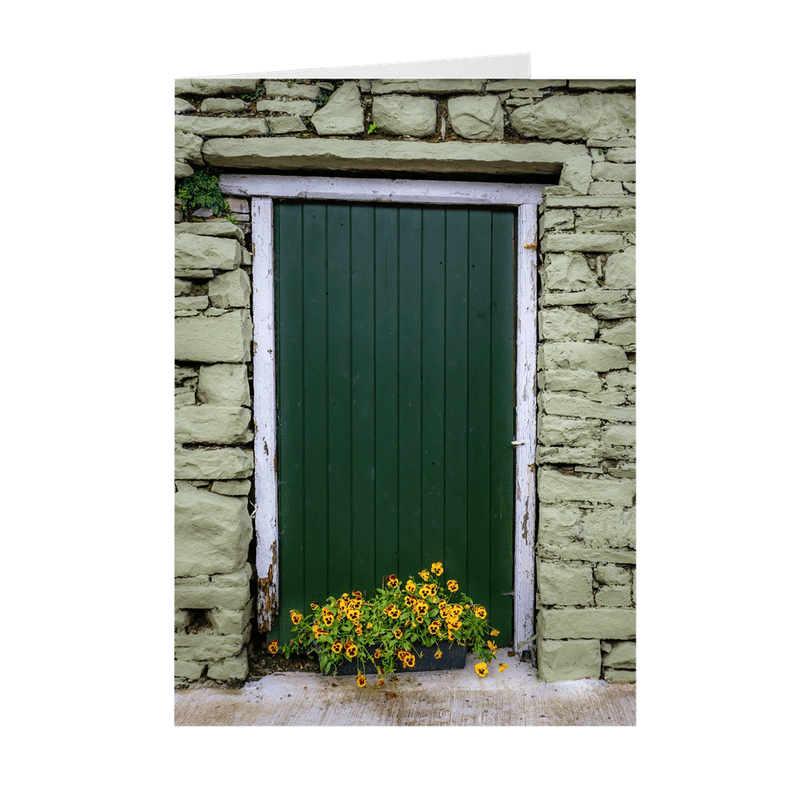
point(494, 158)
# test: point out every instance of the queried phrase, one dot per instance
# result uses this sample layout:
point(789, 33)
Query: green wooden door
point(395, 332)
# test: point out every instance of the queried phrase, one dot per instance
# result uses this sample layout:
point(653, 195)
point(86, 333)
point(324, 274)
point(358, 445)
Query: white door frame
point(263, 189)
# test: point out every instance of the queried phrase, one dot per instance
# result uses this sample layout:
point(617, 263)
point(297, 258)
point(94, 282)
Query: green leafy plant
point(390, 626)
point(372, 129)
point(201, 190)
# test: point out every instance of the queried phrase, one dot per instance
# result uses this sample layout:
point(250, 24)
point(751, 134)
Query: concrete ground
point(459, 697)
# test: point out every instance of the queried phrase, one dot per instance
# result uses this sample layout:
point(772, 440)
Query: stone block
point(577, 174)
point(208, 646)
point(230, 290)
point(404, 114)
point(619, 675)
point(618, 596)
point(215, 227)
point(184, 396)
point(222, 126)
point(569, 406)
point(233, 668)
point(228, 621)
point(602, 85)
point(566, 324)
point(587, 623)
point(194, 253)
point(343, 114)
point(562, 431)
point(301, 91)
point(622, 655)
point(188, 147)
point(561, 584)
point(570, 380)
point(608, 171)
point(623, 334)
point(213, 424)
point(557, 219)
point(209, 340)
point(196, 303)
point(620, 269)
point(594, 356)
point(606, 188)
point(476, 118)
point(511, 84)
point(181, 619)
point(612, 575)
point(621, 154)
point(182, 106)
point(211, 596)
point(218, 463)
point(212, 86)
point(427, 86)
point(297, 108)
point(555, 487)
point(567, 660)
point(189, 670)
point(583, 456)
point(222, 105)
point(286, 124)
point(605, 220)
point(182, 169)
point(562, 526)
point(621, 435)
point(232, 488)
point(224, 385)
point(582, 242)
point(615, 310)
point(576, 117)
point(212, 532)
point(567, 271)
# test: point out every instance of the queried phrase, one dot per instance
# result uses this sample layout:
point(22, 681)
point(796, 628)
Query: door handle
point(517, 444)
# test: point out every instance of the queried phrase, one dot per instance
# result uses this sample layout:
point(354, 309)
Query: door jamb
point(263, 189)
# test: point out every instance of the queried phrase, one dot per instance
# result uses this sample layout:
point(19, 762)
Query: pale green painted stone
point(562, 584)
point(182, 106)
point(619, 675)
point(577, 174)
point(213, 424)
point(188, 147)
point(229, 621)
point(560, 324)
point(182, 169)
point(214, 227)
point(476, 118)
point(195, 303)
point(490, 158)
point(212, 532)
point(623, 334)
point(211, 596)
point(193, 252)
point(620, 269)
point(583, 456)
point(342, 115)
point(425, 86)
point(300, 108)
point(212, 86)
point(302, 91)
point(605, 188)
point(594, 356)
point(208, 646)
point(232, 488)
point(605, 220)
point(568, 406)
point(571, 117)
point(289, 124)
point(615, 311)
point(608, 171)
point(224, 385)
point(564, 431)
point(602, 85)
point(554, 487)
point(582, 242)
point(221, 105)
point(568, 272)
point(580, 298)
point(570, 380)
point(612, 575)
point(188, 670)
point(567, 660)
point(621, 435)
point(181, 619)
point(562, 526)
point(222, 126)
point(508, 85)
point(587, 623)
point(219, 463)
point(613, 596)
point(184, 396)
point(404, 114)
point(234, 668)
point(209, 340)
point(621, 154)
point(553, 200)
point(557, 219)
point(230, 290)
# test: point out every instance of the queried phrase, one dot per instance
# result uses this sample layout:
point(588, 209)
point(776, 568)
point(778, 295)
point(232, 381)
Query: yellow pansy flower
point(482, 669)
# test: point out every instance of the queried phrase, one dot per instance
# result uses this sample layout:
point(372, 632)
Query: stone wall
point(579, 135)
